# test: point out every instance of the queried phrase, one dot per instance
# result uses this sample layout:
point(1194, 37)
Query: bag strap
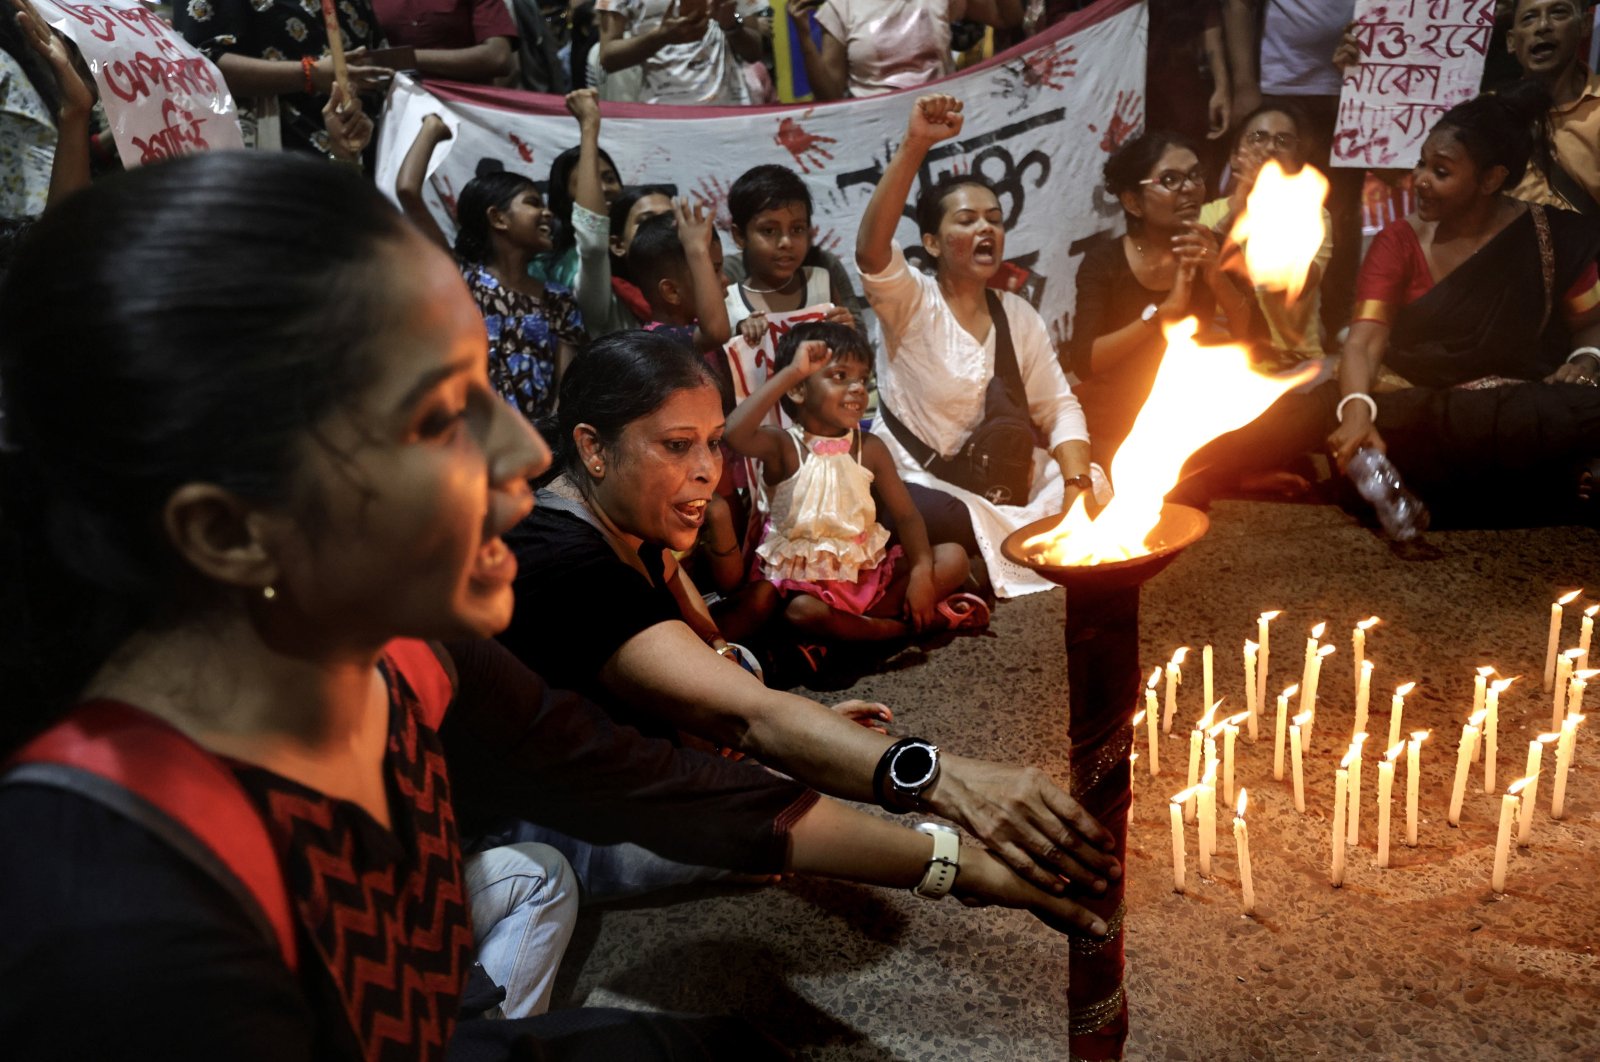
point(132, 763)
point(1564, 184)
point(1547, 261)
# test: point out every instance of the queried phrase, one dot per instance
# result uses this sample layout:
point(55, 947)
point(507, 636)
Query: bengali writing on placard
point(1419, 58)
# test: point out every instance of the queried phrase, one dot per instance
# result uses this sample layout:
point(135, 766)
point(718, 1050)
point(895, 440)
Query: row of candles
point(1567, 677)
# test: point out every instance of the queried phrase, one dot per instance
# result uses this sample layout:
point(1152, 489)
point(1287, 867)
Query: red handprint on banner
point(522, 147)
point(825, 241)
point(712, 196)
point(807, 148)
point(1050, 67)
point(1125, 121)
point(447, 193)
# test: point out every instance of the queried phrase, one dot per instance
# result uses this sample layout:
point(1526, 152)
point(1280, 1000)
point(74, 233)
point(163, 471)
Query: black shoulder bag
point(997, 459)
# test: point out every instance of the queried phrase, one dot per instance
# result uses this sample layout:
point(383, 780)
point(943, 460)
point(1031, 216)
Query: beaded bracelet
point(306, 63)
point(1355, 396)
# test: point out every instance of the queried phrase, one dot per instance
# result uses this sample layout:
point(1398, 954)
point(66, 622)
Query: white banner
point(1419, 58)
point(1040, 121)
point(162, 96)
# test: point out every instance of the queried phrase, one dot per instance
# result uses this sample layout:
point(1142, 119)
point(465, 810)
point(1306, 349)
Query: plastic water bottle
point(1402, 513)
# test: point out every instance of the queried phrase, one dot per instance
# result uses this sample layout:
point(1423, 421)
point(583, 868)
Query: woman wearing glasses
point(1165, 269)
point(1272, 133)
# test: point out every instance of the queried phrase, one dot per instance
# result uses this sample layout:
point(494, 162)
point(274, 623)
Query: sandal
point(965, 612)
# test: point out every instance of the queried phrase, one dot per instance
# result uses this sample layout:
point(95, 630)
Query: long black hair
point(559, 199)
point(187, 322)
point(493, 188)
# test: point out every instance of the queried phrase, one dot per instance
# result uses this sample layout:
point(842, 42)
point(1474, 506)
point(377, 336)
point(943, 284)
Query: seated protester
point(688, 52)
point(455, 40)
point(1547, 36)
point(870, 47)
point(274, 56)
point(640, 427)
point(771, 210)
point(227, 545)
point(534, 328)
point(676, 259)
point(1490, 308)
point(960, 359)
point(560, 263)
point(824, 548)
point(1165, 269)
point(1293, 330)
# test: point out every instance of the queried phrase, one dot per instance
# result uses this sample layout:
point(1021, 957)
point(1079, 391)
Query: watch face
point(913, 766)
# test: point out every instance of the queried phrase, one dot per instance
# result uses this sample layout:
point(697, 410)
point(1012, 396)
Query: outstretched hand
point(349, 127)
point(934, 118)
point(695, 225)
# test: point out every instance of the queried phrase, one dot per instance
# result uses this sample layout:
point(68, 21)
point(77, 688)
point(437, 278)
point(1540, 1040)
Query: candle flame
point(1349, 758)
point(1367, 665)
point(1199, 393)
point(1249, 646)
point(1138, 717)
point(1545, 739)
point(1420, 736)
point(1242, 793)
point(1302, 719)
point(1210, 716)
point(1501, 685)
point(1567, 599)
point(1369, 623)
point(1591, 610)
point(1586, 674)
point(1576, 719)
point(1270, 616)
point(1357, 741)
point(1328, 650)
point(1213, 731)
point(1402, 691)
point(1235, 720)
point(1209, 780)
point(1155, 676)
point(1394, 751)
point(1316, 632)
point(1179, 653)
point(1281, 228)
point(1486, 671)
point(1179, 798)
point(1291, 691)
point(1516, 787)
point(1476, 718)
point(1573, 653)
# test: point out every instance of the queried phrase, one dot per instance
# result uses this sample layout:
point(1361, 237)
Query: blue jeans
point(605, 872)
point(523, 899)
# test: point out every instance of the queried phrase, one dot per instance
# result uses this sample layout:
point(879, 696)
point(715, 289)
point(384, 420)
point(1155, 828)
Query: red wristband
point(306, 63)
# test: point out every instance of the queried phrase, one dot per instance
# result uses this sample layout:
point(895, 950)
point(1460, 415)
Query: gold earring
point(597, 468)
point(268, 593)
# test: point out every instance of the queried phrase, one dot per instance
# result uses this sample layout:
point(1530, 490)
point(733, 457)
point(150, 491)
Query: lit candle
point(1252, 703)
point(1491, 731)
point(1385, 799)
point(1196, 737)
point(1559, 694)
point(1413, 756)
point(1283, 717)
point(1585, 634)
point(1298, 758)
point(1555, 636)
point(1174, 676)
point(1262, 663)
point(1207, 799)
point(1358, 642)
point(1176, 808)
point(1212, 731)
point(1353, 819)
point(1133, 763)
point(1341, 782)
point(1397, 710)
point(1309, 700)
point(1151, 722)
point(1313, 643)
point(1576, 685)
point(1230, 734)
point(1241, 841)
point(1502, 844)
point(1363, 695)
point(1469, 740)
point(1531, 795)
point(1207, 675)
point(1558, 795)
point(1479, 685)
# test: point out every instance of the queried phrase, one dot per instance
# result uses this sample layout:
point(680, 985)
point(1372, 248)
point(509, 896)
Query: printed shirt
point(698, 72)
point(27, 144)
point(278, 30)
point(1575, 141)
point(525, 335)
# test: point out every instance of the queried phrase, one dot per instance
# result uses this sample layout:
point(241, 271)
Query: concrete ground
point(1420, 960)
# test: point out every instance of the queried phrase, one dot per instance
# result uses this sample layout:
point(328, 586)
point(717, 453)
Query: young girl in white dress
point(824, 548)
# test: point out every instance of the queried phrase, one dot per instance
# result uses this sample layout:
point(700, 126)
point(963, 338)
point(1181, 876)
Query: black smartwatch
point(908, 768)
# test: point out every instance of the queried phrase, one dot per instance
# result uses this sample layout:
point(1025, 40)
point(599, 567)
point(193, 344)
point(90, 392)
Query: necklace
point(785, 286)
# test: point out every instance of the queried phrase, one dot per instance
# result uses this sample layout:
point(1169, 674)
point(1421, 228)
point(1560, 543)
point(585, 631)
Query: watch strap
point(943, 866)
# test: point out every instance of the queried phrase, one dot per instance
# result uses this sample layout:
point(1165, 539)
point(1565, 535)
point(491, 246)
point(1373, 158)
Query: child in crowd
point(676, 260)
point(771, 210)
point(534, 327)
point(825, 548)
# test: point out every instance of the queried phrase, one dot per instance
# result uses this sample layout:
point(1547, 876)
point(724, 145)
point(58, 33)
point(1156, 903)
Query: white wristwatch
point(944, 864)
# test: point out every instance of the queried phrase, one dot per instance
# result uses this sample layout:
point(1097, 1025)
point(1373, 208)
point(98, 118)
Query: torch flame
point(1567, 599)
point(1281, 228)
point(1402, 691)
point(1199, 394)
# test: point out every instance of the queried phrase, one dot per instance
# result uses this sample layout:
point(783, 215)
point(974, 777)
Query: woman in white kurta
point(938, 351)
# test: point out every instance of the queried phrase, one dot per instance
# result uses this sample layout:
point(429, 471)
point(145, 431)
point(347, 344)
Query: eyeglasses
point(1282, 141)
point(1172, 180)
